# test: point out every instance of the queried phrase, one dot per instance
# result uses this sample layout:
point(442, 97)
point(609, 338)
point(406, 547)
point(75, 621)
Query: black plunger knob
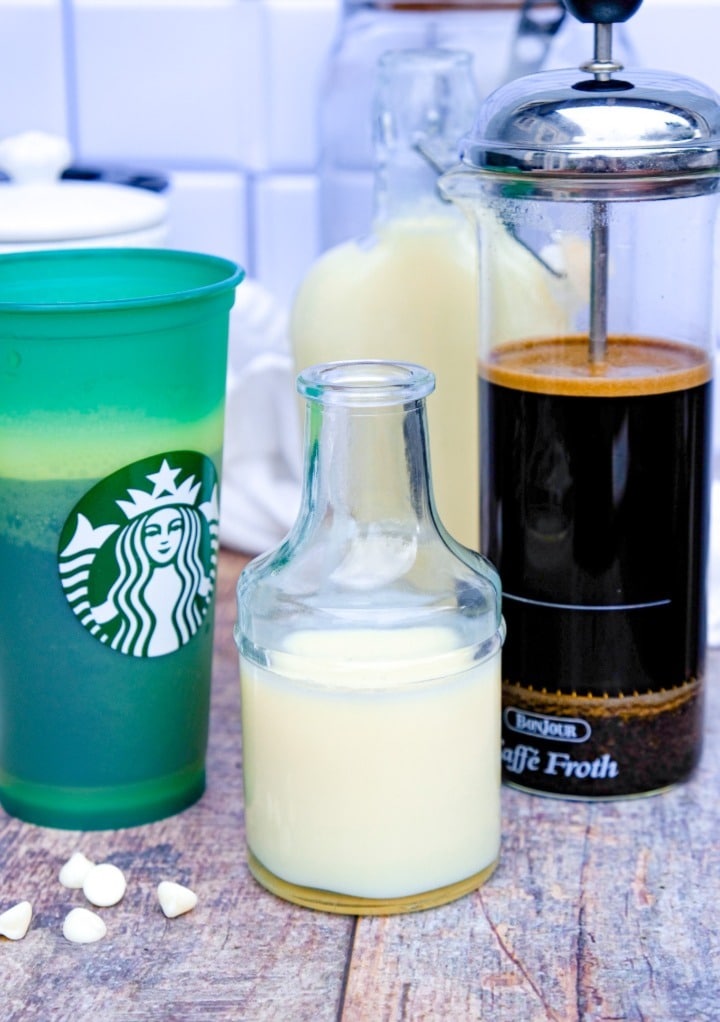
point(602, 12)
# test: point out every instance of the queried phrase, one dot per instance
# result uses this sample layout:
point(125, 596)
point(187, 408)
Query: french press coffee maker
point(595, 432)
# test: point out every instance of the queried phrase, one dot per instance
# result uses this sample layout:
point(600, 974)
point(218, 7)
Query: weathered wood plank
point(241, 954)
point(597, 912)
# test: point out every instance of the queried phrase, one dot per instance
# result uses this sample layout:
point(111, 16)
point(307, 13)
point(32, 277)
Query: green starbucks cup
point(112, 387)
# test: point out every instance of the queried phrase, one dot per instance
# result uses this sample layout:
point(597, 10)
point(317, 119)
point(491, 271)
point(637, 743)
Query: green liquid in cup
point(109, 416)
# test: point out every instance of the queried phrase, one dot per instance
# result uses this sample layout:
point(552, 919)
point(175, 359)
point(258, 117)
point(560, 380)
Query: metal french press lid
point(596, 132)
point(593, 134)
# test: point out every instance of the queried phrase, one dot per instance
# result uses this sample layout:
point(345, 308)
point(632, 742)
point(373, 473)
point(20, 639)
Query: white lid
point(37, 207)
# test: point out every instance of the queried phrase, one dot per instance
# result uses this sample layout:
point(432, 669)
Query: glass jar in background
point(408, 289)
point(370, 647)
point(505, 38)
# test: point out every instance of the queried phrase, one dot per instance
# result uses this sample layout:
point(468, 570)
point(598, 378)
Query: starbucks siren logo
point(138, 553)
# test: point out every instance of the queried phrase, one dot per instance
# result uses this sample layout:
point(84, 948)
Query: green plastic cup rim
point(228, 276)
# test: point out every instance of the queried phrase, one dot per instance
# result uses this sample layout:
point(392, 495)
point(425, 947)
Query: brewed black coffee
point(594, 483)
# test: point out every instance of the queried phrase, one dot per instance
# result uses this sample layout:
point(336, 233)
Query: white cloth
point(262, 463)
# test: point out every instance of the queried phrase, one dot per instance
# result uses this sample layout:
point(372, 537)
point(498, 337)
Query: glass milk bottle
point(505, 37)
point(409, 291)
point(595, 463)
point(370, 648)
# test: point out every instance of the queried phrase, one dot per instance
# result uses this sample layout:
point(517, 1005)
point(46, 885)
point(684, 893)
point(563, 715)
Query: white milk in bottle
point(409, 291)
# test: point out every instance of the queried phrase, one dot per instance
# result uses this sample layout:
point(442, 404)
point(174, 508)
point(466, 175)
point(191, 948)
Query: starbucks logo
point(138, 554)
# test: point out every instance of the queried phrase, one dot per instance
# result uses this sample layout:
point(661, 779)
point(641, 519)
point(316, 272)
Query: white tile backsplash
point(222, 96)
point(682, 36)
point(179, 84)
point(212, 206)
point(285, 231)
point(300, 33)
point(32, 67)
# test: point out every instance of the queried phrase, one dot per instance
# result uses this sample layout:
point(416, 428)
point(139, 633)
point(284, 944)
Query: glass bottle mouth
point(370, 383)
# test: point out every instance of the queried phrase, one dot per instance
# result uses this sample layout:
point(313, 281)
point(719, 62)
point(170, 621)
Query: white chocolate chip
point(15, 922)
point(81, 926)
point(104, 885)
point(175, 899)
point(74, 871)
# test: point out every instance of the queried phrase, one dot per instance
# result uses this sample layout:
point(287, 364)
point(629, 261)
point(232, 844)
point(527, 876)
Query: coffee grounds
point(636, 744)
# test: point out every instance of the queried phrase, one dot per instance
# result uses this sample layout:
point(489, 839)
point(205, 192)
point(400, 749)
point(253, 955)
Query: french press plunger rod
point(603, 14)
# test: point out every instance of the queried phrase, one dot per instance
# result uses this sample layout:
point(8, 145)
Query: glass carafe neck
point(366, 455)
point(425, 100)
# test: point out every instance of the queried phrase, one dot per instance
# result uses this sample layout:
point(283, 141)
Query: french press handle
point(602, 12)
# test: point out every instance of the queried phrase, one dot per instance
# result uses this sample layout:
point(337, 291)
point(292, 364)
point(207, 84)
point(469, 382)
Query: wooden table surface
point(599, 912)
